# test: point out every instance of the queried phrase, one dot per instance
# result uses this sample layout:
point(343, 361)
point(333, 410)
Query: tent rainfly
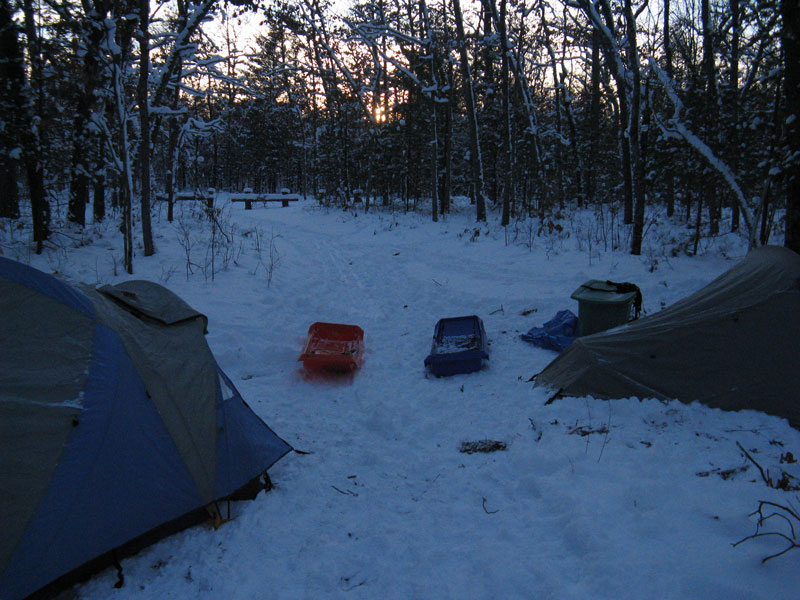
point(734, 345)
point(115, 423)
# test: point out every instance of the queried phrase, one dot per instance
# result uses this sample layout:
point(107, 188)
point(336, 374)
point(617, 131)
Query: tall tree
point(622, 56)
point(733, 98)
point(506, 94)
point(634, 131)
point(790, 12)
point(594, 115)
point(670, 176)
point(431, 51)
point(121, 32)
point(600, 15)
point(478, 192)
point(558, 94)
point(12, 81)
point(143, 99)
point(34, 144)
point(711, 114)
point(89, 38)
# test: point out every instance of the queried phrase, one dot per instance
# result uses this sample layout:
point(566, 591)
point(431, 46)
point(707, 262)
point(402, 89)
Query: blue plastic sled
point(459, 346)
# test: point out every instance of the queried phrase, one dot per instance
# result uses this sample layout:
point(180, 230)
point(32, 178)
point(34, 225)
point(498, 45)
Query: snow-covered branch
point(676, 127)
point(181, 47)
point(371, 31)
point(320, 36)
point(367, 34)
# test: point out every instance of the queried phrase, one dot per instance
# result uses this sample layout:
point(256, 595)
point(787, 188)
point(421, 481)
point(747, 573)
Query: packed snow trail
point(591, 499)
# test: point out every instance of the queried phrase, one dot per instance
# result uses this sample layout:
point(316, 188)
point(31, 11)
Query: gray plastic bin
point(601, 306)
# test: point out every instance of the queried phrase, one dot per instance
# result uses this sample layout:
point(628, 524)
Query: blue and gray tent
point(115, 420)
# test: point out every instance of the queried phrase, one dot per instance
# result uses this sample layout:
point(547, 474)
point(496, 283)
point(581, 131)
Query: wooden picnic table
point(208, 198)
point(249, 197)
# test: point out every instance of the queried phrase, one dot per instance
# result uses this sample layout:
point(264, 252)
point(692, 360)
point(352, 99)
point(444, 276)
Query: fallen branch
point(723, 473)
point(482, 446)
point(785, 513)
point(533, 426)
point(584, 430)
point(764, 476)
point(344, 493)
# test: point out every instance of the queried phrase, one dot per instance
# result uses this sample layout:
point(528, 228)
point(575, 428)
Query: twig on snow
point(489, 512)
point(764, 476)
point(605, 438)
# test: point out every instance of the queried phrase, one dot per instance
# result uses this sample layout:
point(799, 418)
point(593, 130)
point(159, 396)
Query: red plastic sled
point(333, 347)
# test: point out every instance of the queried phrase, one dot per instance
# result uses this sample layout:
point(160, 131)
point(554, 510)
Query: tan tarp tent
point(734, 344)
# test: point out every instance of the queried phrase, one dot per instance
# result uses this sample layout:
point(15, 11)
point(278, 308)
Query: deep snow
point(385, 505)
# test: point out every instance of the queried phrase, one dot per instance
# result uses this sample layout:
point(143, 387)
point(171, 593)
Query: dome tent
point(734, 344)
point(114, 420)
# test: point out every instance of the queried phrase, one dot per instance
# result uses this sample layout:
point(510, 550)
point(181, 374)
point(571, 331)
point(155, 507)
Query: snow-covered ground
point(590, 499)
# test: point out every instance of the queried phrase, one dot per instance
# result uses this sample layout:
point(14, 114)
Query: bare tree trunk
point(627, 176)
point(144, 123)
point(434, 164)
point(733, 100)
point(608, 38)
point(119, 63)
point(670, 176)
point(173, 149)
point(447, 179)
point(790, 10)
point(766, 201)
point(99, 198)
point(126, 189)
point(711, 114)
point(346, 151)
point(12, 110)
point(9, 201)
point(172, 157)
point(84, 160)
point(516, 66)
point(479, 195)
point(79, 182)
point(507, 164)
point(594, 119)
point(488, 108)
point(79, 177)
point(558, 95)
point(40, 208)
point(577, 158)
point(430, 51)
point(698, 221)
point(634, 132)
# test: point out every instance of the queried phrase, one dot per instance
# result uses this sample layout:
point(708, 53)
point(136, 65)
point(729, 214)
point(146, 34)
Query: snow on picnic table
point(590, 499)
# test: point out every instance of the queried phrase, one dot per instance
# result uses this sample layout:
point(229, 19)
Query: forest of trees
point(689, 107)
